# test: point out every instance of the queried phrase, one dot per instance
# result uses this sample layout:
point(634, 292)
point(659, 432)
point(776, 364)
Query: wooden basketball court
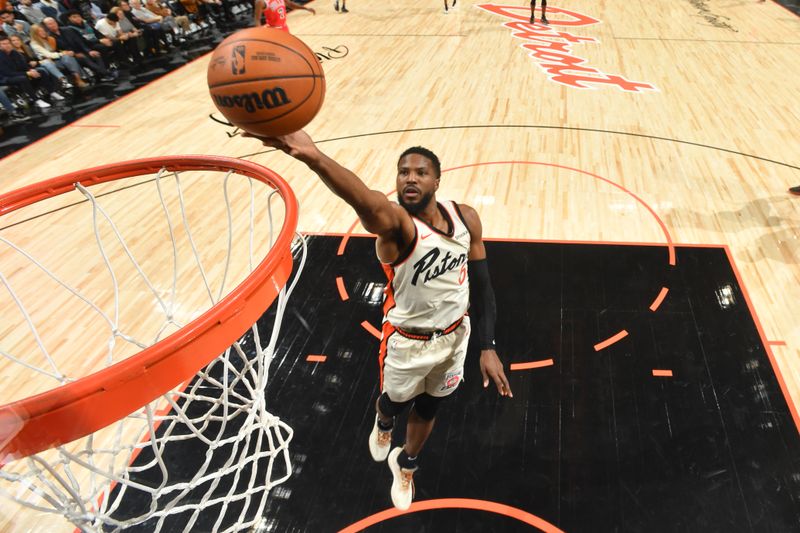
point(671, 125)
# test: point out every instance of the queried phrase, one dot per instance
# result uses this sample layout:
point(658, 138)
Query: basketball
point(266, 81)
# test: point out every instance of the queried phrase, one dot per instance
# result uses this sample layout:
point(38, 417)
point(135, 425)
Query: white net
point(89, 281)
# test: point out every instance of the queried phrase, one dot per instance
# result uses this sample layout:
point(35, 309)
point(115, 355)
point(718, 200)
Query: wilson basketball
point(266, 81)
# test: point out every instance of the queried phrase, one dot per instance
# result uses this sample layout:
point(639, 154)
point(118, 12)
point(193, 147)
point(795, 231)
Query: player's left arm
point(258, 8)
point(482, 304)
point(295, 5)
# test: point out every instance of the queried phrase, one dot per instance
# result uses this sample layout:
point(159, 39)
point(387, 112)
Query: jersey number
point(462, 275)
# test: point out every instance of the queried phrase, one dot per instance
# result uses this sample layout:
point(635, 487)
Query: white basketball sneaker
point(402, 482)
point(380, 442)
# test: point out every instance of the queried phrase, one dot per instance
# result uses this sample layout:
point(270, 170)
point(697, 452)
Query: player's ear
point(436, 187)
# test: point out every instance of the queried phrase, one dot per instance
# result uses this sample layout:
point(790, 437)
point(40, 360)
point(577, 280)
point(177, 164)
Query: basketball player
point(544, 12)
point(795, 190)
point(272, 13)
point(435, 261)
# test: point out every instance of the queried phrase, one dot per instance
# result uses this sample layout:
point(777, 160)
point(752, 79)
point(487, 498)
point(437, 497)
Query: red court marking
point(372, 329)
point(644, 204)
point(659, 298)
point(342, 291)
point(91, 126)
point(772, 360)
point(455, 503)
point(776, 343)
point(611, 340)
point(346, 238)
point(316, 358)
point(662, 373)
point(532, 364)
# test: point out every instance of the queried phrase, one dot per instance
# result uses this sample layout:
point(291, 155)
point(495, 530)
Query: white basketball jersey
point(429, 288)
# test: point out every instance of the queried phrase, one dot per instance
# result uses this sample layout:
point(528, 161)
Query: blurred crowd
point(52, 49)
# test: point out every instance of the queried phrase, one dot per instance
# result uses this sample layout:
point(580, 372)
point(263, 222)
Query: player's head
point(418, 172)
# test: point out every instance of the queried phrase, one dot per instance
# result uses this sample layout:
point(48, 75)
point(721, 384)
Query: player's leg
point(403, 461)
point(450, 351)
point(445, 7)
point(544, 12)
point(344, 7)
point(533, 11)
point(380, 439)
point(419, 427)
point(403, 372)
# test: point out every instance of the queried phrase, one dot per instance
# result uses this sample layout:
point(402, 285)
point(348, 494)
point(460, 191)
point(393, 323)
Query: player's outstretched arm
point(482, 304)
point(378, 215)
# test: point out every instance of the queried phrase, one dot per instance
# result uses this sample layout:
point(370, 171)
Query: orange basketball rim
point(84, 406)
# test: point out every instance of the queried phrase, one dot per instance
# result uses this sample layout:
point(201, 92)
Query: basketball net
point(206, 453)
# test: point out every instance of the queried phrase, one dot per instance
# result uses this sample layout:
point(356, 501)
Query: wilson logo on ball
point(237, 60)
point(265, 81)
point(268, 99)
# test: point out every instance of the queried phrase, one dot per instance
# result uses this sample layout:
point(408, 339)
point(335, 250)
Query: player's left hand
point(492, 368)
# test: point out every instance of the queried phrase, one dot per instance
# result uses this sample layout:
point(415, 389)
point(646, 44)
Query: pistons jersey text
point(428, 287)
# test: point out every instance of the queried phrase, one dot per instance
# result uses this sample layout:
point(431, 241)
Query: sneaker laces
point(406, 478)
point(384, 437)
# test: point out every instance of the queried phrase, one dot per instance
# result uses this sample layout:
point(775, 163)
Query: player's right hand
point(298, 144)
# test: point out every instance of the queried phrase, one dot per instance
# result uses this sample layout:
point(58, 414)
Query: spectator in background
point(44, 46)
point(32, 13)
point(153, 32)
point(76, 21)
point(50, 8)
point(15, 72)
point(125, 43)
point(5, 101)
point(180, 21)
point(167, 24)
point(12, 26)
point(34, 62)
point(127, 26)
point(96, 11)
point(95, 39)
point(69, 39)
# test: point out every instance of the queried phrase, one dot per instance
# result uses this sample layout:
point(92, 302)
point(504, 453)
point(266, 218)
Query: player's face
point(416, 182)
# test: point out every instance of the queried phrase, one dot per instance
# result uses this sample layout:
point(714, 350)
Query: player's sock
point(407, 462)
